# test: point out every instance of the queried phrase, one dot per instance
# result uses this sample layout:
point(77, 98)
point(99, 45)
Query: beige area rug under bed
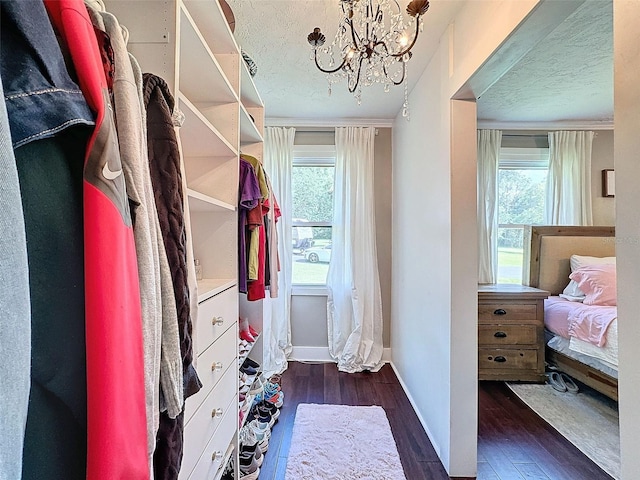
point(588, 421)
point(338, 442)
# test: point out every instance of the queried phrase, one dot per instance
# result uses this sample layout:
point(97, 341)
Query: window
point(312, 180)
point(522, 176)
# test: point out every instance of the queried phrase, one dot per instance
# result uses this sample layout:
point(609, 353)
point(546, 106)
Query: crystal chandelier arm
point(355, 38)
point(413, 42)
point(315, 57)
point(355, 85)
point(404, 70)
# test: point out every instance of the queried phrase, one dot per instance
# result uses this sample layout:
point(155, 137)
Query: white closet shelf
point(199, 202)
point(212, 25)
point(208, 287)
point(248, 131)
point(202, 78)
point(199, 137)
point(249, 95)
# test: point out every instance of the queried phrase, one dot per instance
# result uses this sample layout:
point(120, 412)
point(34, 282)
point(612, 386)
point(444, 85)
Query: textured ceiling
point(274, 34)
point(567, 76)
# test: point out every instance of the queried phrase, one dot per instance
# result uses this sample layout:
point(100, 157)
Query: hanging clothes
point(117, 441)
point(164, 165)
point(159, 316)
point(272, 234)
point(15, 353)
point(248, 198)
point(50, 124)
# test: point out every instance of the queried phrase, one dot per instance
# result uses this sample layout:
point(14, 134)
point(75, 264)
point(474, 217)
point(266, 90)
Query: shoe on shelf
point(260, 431)
point(251, 363)
point(253, 331)
point(256, 387)
point(246, 335)
point(277, 399)
point(253, 450)
point(248, 369)
point(249, 469)
point(266, 408)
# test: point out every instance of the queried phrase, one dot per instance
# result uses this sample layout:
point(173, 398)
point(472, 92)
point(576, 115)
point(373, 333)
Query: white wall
point(627, 164)
point(434, 236)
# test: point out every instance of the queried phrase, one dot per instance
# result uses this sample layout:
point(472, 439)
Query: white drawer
point(212, 364)
point(215, 315)
point(202, 426)
point(207, 466)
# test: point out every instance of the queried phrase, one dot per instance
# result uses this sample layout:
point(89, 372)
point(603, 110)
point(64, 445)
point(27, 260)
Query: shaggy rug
point(338, 442)
point(587, 419)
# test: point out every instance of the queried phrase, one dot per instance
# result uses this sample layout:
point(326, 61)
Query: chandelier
point(372, 45)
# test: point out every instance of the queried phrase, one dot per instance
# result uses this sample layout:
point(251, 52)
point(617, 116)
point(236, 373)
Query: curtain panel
point(568, 200)
point(489, 142)
point(354, 304)
point(278, 163)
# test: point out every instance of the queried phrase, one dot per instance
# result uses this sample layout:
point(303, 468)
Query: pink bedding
point(568, 319)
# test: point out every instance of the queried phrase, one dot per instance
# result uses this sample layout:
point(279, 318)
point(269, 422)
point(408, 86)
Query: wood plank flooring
point(513, 442)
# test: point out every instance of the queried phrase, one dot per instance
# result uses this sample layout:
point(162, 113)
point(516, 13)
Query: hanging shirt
point(117, 440)
point(249, 196)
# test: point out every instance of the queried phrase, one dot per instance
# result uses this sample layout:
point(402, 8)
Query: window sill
point(309, 290)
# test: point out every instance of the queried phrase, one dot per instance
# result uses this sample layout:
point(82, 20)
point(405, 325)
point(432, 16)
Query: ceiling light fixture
point(373, 44)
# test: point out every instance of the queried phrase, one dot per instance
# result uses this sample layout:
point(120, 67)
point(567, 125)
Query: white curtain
point(569, 180)
point(278, 161)
point(354, 304)
point(489, 142)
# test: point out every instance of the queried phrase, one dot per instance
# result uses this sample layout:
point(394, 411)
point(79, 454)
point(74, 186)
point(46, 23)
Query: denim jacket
point(35, 76)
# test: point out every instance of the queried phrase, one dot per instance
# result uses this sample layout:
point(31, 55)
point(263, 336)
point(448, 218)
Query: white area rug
point(587, 421)
point(341, 442)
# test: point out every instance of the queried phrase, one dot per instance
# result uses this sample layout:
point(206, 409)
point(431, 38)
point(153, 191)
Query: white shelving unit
point(190, 45)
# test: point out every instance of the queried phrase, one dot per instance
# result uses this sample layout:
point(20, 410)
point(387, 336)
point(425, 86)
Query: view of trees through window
point(312, 191)
point(521, 194)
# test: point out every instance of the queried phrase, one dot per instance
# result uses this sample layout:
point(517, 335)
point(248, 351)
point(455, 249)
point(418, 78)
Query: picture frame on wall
point(608, 183)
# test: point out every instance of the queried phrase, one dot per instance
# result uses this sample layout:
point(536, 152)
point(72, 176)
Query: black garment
point(167, 458)
point(50, 172)
point(164, 166)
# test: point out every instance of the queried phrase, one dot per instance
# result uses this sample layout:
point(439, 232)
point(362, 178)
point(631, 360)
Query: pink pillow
point(598, 282)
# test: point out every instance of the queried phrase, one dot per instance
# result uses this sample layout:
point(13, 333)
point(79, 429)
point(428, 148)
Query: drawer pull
point(217, 413)
point(217, 366)
point(216, 456)
point(500, 359)
point(500, 335)
point(217, 321)
point(500, 311)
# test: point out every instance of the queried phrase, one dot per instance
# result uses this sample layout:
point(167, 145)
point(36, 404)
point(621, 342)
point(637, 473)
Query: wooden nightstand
point(511, 332)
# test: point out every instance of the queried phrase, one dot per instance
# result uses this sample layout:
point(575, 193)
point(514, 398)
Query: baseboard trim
point(435, 445)
point(321, 354)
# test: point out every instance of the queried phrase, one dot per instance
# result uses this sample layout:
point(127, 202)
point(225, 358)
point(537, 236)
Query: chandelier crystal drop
point(372, 44)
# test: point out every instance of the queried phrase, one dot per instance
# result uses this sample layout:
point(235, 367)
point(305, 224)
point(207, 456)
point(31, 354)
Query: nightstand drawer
point(501, 312)
point(506, 359)
point(507, 335)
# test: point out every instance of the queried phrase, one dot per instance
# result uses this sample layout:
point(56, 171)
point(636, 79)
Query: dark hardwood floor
point(513, 442)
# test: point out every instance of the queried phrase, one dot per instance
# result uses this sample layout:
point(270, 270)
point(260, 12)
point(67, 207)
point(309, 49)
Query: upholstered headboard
point(549, 248)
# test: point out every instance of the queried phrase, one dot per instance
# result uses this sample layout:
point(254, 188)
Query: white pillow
point(571, 291)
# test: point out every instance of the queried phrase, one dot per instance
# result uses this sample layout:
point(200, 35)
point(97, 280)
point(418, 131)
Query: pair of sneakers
point(251, 454)
point(256, 432)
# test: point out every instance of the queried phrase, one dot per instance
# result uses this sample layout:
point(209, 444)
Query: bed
point(549, 249)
